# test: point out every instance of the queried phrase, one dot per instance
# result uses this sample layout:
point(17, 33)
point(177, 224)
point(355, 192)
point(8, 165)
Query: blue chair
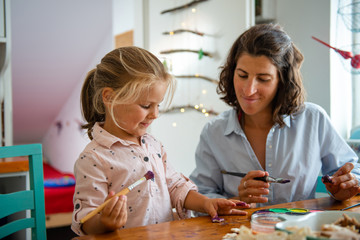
point(320, 189)
point(22, 201)
point(355, 133)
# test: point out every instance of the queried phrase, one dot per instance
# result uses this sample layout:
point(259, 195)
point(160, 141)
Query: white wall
point(323, 72)
point(63, 144)
point(222, 24)
point(123, 16)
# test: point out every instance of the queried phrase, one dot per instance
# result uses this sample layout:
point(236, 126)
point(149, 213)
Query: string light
point(196, 106)
point(204, 91)
point(174, 124)
point(182, 110)
point(193, 10)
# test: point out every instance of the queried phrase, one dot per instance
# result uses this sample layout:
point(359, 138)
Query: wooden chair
point(29, 200)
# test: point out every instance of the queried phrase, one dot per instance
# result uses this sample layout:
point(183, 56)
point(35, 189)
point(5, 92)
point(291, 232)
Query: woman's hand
point(251, 190)
point(344, 184)
point(114, 214)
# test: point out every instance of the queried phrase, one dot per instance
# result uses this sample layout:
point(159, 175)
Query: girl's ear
point(107, 96)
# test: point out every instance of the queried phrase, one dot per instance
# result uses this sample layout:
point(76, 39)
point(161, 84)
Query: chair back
point(28, 200)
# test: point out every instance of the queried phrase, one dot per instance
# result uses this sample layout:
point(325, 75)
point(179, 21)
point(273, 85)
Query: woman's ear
point(107, 96)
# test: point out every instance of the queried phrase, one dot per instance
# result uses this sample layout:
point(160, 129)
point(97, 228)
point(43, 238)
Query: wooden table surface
point(203, 228)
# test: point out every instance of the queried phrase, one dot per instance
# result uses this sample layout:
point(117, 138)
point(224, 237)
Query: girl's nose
point(154, 113)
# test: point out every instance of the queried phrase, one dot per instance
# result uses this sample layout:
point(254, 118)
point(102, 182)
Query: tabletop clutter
point(298, 223)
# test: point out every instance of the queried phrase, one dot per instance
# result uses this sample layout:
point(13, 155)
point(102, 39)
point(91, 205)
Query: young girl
point(120, 98)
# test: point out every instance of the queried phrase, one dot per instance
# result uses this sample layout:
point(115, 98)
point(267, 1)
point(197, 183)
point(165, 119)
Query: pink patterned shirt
point(110, 163)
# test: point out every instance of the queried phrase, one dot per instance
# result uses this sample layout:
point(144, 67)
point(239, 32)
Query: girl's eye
point(145, 106)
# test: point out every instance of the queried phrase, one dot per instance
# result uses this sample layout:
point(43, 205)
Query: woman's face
point(256, 82)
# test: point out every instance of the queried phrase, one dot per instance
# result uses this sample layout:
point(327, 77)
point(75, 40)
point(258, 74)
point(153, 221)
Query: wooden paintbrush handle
point(101, 207)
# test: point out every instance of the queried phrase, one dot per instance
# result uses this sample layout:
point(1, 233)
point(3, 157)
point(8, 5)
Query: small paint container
point(264, 222)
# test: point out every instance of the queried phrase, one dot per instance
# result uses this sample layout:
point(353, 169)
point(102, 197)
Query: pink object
point(216, 219)
point(355, 60)
point(345, 54)
point(242, 204)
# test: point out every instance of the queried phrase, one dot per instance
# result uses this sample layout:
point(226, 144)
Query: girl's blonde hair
point(129, 71)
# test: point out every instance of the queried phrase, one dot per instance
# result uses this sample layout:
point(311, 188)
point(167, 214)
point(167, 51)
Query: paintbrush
point(264, 179)
point(147, 176)
point(352, 206)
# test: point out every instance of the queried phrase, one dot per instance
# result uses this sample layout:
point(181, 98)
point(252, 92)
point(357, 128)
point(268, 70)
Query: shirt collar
point(106, 139)
point(233, 124)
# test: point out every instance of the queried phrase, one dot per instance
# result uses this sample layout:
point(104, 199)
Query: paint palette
point(288, 211)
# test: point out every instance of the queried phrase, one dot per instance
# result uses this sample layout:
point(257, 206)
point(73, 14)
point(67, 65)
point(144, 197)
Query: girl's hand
point(114, 214)
point(344, 184)
point(222, 206)
point(251, 190)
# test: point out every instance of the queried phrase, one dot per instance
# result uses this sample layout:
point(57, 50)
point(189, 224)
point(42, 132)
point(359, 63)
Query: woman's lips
point(249, 100)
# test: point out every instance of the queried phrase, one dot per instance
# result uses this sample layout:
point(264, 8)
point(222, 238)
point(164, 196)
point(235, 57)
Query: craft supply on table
point(264, 179)
point(352, 206)
point(264, 222)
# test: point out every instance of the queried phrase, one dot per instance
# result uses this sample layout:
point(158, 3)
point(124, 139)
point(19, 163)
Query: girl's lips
point(146, 124)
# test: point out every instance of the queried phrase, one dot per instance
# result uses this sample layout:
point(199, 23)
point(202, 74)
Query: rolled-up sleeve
point(91, 188)
point(179, 187)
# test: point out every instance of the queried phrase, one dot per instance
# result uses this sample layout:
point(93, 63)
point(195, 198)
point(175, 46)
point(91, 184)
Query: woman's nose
point(250, 87)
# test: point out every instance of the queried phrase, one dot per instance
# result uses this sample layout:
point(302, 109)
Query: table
point(203, 228)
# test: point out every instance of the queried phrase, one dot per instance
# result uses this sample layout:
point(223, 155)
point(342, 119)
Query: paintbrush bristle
point(283, 181)
point(223, 171)
point(149, 175)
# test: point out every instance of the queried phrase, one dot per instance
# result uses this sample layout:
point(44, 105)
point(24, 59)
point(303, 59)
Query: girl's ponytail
point(87, 104)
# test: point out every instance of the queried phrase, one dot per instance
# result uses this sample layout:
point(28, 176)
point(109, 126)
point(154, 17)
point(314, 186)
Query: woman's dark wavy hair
point(271, 41)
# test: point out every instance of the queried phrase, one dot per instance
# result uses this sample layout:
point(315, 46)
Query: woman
point(270, 130)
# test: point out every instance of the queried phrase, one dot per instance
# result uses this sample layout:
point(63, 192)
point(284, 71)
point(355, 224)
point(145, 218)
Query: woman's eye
point(145, 106)
point(263, 79)
point(242, 76)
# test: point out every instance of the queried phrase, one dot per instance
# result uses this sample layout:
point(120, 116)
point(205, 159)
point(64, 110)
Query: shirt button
point(269, 164)
point(270, 146)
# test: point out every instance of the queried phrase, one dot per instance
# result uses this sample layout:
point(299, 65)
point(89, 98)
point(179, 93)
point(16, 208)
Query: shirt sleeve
point(91, 188)
point(207, 174)
point(179, 187)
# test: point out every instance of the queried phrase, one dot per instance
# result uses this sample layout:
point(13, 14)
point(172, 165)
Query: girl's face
point(135, 118)
point(256, 82)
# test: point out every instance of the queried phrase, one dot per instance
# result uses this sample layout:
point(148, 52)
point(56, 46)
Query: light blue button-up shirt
point(307, 145)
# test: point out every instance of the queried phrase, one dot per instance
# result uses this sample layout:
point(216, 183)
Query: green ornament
point(201, 54)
